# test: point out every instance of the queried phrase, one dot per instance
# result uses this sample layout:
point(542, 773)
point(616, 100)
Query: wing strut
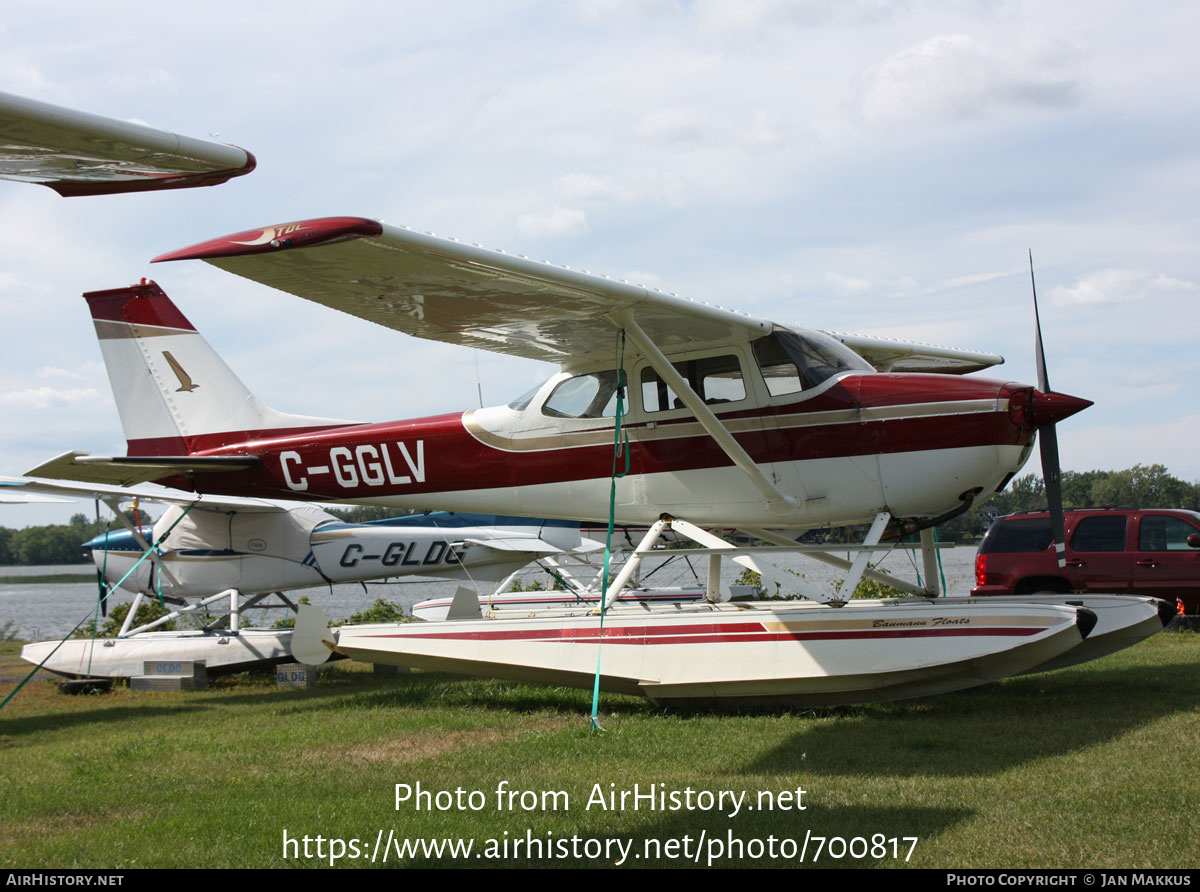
point(777, 502)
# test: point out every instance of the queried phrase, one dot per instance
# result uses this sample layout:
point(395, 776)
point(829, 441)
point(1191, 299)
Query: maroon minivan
point(1143, 551)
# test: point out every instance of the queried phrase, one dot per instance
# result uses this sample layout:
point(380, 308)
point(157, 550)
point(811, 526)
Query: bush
point(380, 612)
point(147, 613)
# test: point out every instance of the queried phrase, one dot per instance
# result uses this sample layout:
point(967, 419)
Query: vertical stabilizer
point(174, 393)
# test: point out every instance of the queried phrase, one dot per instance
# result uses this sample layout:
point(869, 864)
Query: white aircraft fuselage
point(838, 441)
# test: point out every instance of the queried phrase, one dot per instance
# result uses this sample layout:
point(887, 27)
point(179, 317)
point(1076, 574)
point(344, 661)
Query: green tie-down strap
point(620, 449)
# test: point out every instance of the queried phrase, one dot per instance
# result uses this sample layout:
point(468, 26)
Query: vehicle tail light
point(981, 569)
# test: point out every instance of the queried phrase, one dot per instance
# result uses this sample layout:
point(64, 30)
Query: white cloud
point(586, 187)
point(47, 397)
point(624, 11)
point(135, 81)
point(957, 76)
point(646, 280)
point(768, 15)
point(627, 187)
point(975, 278)
point(847, 284)
point(677, 126)
point(1110, 287)
point(84, 371)
point(558, 222)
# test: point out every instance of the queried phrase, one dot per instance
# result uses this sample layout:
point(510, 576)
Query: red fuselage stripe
point(732, 633)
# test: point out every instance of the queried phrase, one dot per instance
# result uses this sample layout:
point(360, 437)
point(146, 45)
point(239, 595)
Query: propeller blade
point(1039, 352)
point(1048, 436)
point(1052, 477)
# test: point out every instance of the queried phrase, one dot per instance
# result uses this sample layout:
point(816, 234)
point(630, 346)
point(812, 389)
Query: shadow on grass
point(1001, 725)
point(438, 689)
point(103, 714)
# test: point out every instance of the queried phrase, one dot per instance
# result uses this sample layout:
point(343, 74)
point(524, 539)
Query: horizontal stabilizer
point(538, 546)
point(128, 470)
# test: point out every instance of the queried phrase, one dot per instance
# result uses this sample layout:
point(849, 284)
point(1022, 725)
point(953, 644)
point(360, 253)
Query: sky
point(854, 165)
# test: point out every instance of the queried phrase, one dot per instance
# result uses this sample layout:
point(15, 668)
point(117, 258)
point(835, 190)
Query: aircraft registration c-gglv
point(729, 419)
point(364, 465)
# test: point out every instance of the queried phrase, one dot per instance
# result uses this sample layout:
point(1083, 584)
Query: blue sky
point(876, 167)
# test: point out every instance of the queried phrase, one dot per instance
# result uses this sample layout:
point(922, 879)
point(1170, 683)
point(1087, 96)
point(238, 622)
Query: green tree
point(54, 544)
point(147, 613)
point(1143, 486)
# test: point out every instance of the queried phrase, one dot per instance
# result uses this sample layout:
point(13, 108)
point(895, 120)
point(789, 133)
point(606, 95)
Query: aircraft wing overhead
point(446, 290)
point(77, 153)
point(903, 356)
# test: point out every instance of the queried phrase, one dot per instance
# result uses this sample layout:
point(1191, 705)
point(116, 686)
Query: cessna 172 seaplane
point(715, 418)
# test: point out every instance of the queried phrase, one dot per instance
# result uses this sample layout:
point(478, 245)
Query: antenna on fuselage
point(478, 381)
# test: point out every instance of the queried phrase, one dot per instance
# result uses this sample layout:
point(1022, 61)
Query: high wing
point(77, 153)
point(902, 356)
point(447, 290)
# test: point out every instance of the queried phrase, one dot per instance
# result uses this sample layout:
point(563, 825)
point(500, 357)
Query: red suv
point(1143, 551)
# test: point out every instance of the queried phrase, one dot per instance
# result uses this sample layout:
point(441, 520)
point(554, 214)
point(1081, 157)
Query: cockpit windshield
point(792, 362)
point(584, 396)
point(522, 402)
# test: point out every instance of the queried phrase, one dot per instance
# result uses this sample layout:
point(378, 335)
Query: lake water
point(52, 610)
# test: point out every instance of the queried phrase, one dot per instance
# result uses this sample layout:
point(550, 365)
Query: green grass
point(1093, 766)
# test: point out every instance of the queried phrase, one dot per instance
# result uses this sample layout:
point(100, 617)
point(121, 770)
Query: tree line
point(60, 543)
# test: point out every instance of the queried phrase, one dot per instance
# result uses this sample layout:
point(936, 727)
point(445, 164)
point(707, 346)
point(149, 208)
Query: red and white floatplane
point(665, 413)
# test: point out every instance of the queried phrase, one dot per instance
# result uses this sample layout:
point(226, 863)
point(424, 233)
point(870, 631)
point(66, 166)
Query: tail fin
point(174, 393)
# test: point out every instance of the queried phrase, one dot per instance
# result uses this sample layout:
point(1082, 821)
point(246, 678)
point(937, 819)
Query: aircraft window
point(584, 396)
point(717, 379)
point(1161, 533)
point(522, 402)
point(791, 362)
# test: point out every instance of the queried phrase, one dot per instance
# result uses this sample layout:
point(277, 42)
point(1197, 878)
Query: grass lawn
point(1088, 767)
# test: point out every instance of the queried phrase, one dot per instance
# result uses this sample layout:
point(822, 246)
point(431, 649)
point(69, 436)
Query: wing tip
point(280, 237)
point(77, 189)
